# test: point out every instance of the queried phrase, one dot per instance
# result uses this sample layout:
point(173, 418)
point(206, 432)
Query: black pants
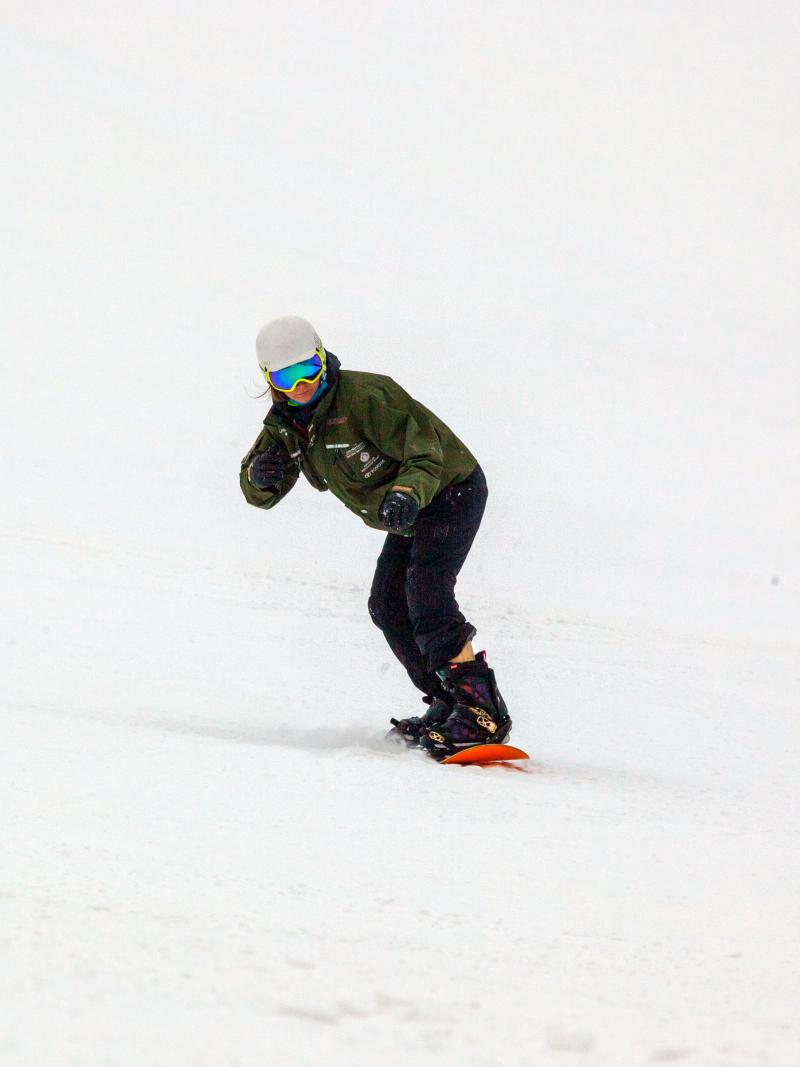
point(413, 592)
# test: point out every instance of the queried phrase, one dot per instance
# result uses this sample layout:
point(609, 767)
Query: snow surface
point(573, 231)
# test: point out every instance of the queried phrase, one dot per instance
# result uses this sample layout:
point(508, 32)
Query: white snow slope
point(572, 230)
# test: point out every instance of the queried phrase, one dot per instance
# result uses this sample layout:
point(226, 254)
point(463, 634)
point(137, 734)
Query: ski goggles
point(287, 378)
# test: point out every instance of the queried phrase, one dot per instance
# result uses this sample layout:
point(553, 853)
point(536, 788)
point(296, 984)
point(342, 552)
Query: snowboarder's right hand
point(267, 469)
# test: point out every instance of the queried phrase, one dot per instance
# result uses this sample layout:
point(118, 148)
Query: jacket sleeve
point(266, 498)
point(404, 429)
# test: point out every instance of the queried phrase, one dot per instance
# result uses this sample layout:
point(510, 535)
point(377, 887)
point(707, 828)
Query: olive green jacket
point(365, 436)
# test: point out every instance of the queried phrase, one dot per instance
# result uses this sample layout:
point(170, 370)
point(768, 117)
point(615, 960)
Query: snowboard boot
point(479, 715)
point(410, 730)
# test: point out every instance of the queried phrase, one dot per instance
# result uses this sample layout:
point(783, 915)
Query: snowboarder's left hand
point(398, 510)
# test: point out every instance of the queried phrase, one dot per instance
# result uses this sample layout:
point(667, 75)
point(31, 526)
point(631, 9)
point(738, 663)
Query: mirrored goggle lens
point(287, 378)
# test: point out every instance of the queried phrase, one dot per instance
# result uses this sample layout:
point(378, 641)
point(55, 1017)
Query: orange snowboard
point(486, 754)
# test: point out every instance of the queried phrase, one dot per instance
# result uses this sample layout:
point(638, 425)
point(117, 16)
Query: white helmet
point(285, 341)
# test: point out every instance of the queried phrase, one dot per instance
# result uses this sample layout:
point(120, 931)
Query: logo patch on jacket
point(370, 461)
point(337, 422)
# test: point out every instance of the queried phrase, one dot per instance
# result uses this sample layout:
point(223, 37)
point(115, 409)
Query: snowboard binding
point(410, 730)
point(479, 715)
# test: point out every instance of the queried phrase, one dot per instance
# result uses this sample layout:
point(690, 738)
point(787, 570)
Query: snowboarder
point(399, 468)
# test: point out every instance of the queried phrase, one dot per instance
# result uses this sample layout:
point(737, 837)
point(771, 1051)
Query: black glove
point(398, 510)
point(268, 468)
